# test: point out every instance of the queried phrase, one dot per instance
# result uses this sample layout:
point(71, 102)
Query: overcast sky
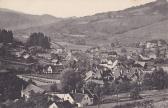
point(69, 8)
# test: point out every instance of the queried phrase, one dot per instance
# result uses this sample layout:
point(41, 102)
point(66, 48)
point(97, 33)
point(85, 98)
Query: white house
point(150, 44)
point(64, 97)
point(82, 99)
point(89, 75)
point(49, 70)
point(53, 105)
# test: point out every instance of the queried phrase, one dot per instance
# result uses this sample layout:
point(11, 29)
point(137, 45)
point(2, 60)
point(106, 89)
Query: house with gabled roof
point(89, 75)
point(82, 99)
point(26, 93)
point(63, 96)
point(63, 104)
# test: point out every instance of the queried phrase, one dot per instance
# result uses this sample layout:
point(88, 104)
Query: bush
point(156, 80)
point(135, 93)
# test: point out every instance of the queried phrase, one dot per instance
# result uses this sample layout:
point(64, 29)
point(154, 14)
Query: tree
point(123, 50)
point(157, 80)
point(54, 88)
point(135, 92)
point(71, 80)
point(30, 81)
point(38, 100)
point(10, 86)
point(97, 90)
point(6, 36)
point(38, 39)
point(83, 62)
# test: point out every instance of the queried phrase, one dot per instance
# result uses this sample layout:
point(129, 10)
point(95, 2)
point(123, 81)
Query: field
point(151, 99)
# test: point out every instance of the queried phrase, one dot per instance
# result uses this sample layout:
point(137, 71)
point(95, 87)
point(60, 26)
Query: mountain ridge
point(105, 27)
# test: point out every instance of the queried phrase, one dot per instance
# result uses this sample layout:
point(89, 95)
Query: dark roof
point(78, 96)
point(64, 104)
point(89, 92)
point(33, 88)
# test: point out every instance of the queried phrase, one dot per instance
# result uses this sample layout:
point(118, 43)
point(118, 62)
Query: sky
point(69, 8)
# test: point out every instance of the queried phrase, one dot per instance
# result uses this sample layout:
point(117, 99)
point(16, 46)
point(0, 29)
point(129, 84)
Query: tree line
point(38, 39)
point(6, 36)
point(35, 39)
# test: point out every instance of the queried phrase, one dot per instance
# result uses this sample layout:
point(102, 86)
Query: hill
point(138, 23)
point(10, 19)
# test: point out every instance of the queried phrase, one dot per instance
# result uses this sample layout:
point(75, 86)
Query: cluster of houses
point(113, 65)
point(43, 60)
point(128, 65)
point(58, 100)
point(107, 65)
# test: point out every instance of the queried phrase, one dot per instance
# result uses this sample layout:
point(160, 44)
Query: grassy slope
point(153, 31)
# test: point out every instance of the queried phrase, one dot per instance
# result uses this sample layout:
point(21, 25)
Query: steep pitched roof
point(33, 88)
point(78, 97)
point(142, 64)
point(63, 104)
point(89, 75)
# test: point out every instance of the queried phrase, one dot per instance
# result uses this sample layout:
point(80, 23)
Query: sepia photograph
point(83, 53)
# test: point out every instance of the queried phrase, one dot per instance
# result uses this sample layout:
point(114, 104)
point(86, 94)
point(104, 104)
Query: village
point(59, 77)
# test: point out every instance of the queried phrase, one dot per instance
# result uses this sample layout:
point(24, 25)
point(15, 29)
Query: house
point(17, 52)
point(140, 64)
point(99, 82)
point(82, 99)
point(116, 72)
point(89, 75)
point(94, 49)
point(141, 57)
point(29, 89)
point(57, 51)
point(55, 61)
point(53, 105)
point(26, 56)
point(44, 55)
point(112, 54)
point(151, 44)
point(165, 67)
point(63, 96)
point(48, 70)
point(97, 75)
point(110, 64)
point(152, 55)
point(52, 69)
point(63, 104)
